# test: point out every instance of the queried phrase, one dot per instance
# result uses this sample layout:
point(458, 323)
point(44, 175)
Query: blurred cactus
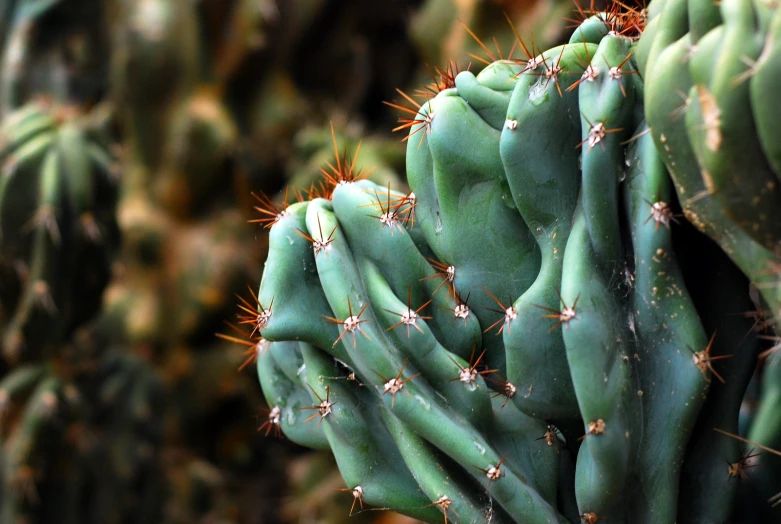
point(57, 200)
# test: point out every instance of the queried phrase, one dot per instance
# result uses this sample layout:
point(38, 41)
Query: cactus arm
point(492, 249)
point(364, 450)
point(704, 15)
point(439, 477)
point(289, 396)
point(543, 173)
point(489, 102)
point(604, 105)
point(597, 340)
point(292, 291)
point(668, 332)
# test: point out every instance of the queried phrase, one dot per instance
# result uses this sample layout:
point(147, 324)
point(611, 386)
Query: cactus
point(57, 198)
point(571, 367)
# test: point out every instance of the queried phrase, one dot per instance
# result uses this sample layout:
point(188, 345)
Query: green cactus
point(584, 320)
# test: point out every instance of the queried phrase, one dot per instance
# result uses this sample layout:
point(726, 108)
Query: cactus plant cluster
point(535, 332)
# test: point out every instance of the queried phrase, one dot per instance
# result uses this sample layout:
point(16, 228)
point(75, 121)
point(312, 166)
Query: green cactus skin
point(543, 173)
point(493, 250)
point(554, 188)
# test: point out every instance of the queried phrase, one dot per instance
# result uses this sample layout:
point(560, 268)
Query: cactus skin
point(558, 187)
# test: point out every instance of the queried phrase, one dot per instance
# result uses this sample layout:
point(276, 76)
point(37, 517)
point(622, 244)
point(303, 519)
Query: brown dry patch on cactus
point(711, 120)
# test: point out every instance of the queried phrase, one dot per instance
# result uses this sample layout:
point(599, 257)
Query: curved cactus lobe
point(606, 108)
point(467, 214)
point(598, 344)
point(543, 173)
point(291, 288)
point(672, 108)
point(398, 259)
point(365, 452)
point(288, 395)
point(489, 92)
point(453, 492)
point(668, 335)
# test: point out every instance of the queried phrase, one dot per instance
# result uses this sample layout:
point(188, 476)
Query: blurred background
point(137, 138)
